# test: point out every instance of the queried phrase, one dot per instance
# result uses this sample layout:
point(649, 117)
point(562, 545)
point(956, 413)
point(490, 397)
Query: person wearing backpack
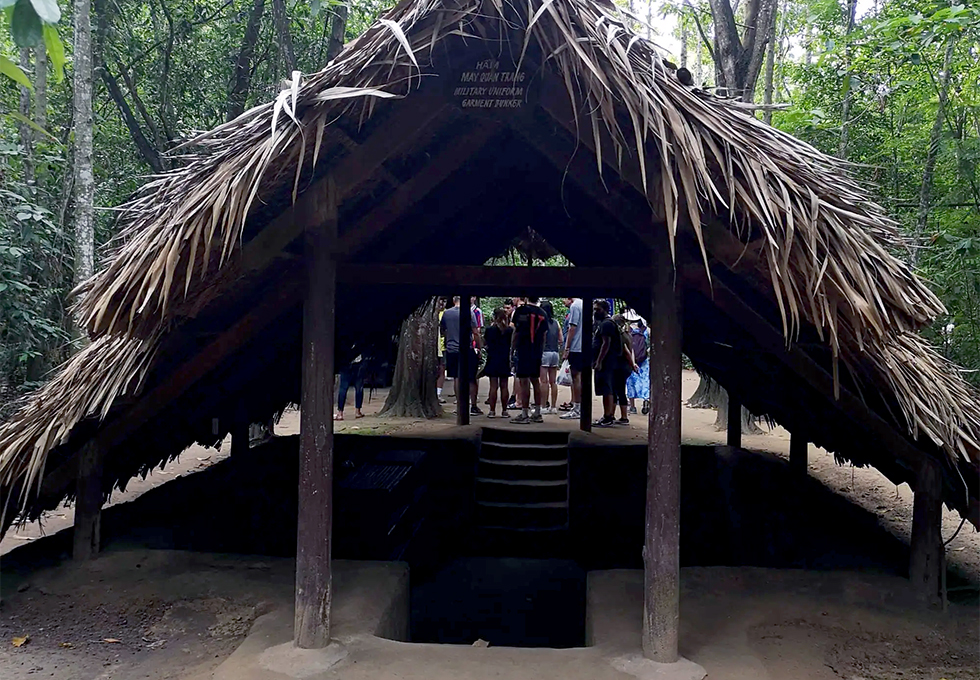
point(638, 383)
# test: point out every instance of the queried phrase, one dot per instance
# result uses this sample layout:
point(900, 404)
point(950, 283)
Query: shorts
point(575, 362)
point(605, 382)
point(452, 365)
point(528, 364)
point(550, 360)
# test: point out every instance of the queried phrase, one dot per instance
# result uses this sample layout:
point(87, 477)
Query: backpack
point(639, 344)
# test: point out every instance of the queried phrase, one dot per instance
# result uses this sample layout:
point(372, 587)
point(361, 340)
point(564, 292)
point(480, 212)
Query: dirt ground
point(143, 614)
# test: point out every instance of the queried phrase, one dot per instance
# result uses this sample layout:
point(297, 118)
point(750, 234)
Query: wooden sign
point(491, 85)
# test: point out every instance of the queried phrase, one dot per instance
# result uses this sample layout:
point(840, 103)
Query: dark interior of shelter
point(481, 569)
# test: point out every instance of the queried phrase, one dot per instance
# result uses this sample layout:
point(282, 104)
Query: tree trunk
point(242, 79)
point(147, 150)
point(338, 26)
point(845, 113)
point(770, 68)
point(707, 395)
point(84, 190)
point(23, 129)
point(41, 86)
point(281, 20)
point(932, 152)
point(413, 390)
point(749, 425)
point(683, 43)
point(739, 59)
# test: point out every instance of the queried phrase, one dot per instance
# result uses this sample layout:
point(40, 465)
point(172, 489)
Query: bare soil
point(158, 614)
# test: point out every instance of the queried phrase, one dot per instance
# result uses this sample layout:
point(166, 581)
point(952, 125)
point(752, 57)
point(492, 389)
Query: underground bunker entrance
point(503, 601)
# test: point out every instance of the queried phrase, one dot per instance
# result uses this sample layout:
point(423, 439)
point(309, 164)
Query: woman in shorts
point(551, 360)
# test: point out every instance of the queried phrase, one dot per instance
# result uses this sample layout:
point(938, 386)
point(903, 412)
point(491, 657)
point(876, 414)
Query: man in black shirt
point(530, 328)
point(607, 348)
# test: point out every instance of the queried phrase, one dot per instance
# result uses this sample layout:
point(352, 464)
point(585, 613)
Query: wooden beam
point(314, 525)
point(927, 564)
point(456, 152)
point(489, 280)
point(798, 451)
point(88, 502)
point(462, 383)
point(585, 414)
point(734, 421)
point(661, 547)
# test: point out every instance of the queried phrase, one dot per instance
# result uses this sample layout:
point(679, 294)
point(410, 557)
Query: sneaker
point(604, 422)
point(632, 410)
point(623, 421)
point(505, 414)
point(475, 411)
point(442, 401)
point(536, 418)
point(571, 415)
point(491, 415)
point(520, 419)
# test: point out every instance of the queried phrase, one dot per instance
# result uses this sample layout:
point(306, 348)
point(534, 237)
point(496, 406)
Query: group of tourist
point(523, 339)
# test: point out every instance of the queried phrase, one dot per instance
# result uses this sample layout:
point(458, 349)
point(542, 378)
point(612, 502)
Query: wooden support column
point(88, 502)
point(661, 555)
point(585, 418)
point(465, 357)
point(734, 422)
point(927, 568)
point(315, 517)
point(798, 451)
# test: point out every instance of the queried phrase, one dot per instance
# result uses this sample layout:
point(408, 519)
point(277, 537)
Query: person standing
point(530, 328)
point(550, 359)
point(626, 366)
point(638, 383)
point(477, 312)
point(449, 327)
point(573, 354)
point(351, 374)
point(441, 353)
point(607, 350)
point(498, 339)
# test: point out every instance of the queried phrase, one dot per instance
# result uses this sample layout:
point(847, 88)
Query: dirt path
point(866, 487)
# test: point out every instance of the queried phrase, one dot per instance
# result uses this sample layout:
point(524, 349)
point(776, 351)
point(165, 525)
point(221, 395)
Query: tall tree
point(932, 150)
point(242, 76)
point(413, 387)
point(767, 85)
point(738, 58)
point(41, 86)
point(24, 129)
point(84, 190)
point(845, 116)
point(281, 20)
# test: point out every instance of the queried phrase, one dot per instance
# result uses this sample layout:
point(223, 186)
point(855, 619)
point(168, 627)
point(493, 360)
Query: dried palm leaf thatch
point(85, 387)
point(828, 249)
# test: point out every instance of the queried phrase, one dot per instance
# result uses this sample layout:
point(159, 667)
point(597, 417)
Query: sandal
point(338, 416)
point(491, 415)
point(358, 415)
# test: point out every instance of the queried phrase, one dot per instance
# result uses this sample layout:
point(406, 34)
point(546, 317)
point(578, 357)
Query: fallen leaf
point(66, 645)
point(21, 641)
point(111, 641)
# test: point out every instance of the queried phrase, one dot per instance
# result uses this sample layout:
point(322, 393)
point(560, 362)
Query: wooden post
point(315, 517)
point(585, 419)
point(927, 568)
point(88, 502)
point(661, 555)
point(734, 422)
point(465, 357)
point(798, 451)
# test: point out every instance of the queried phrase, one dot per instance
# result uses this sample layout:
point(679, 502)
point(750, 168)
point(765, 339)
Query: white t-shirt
point(575, 320)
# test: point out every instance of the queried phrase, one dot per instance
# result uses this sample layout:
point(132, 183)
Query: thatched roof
point(816, 247)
